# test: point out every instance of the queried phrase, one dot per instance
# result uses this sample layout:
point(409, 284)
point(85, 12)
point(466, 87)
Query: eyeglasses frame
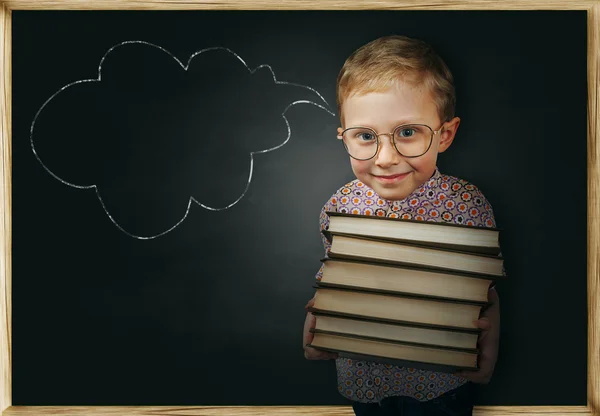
point(391, 135)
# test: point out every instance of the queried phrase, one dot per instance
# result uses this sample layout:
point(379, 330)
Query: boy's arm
point(307, 338)
point(489, 321)
point(488, 342)
point(310, 321)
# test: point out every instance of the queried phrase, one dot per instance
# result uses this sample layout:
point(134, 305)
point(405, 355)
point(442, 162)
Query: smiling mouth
point(392, 177)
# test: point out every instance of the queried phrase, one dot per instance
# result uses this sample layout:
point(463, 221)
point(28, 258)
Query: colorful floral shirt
point(441, 198)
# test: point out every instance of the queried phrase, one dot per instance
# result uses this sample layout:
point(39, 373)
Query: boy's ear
point(448, 134)
point(339, 131)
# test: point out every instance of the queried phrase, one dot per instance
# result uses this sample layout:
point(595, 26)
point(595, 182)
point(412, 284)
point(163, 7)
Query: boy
point(396, 102)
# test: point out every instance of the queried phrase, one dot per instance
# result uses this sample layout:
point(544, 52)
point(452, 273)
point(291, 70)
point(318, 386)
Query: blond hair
point(382, 63)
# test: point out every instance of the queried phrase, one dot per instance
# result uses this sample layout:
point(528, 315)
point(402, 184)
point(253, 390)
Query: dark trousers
point(457, 402)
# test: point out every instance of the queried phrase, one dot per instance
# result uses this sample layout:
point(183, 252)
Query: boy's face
point(388, 173)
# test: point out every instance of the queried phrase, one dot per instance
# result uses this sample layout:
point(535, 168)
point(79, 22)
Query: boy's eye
point(366, 136)
point(406, 132)
point(361, 135)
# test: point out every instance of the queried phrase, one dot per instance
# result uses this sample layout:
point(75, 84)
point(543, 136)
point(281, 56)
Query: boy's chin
point(391, 193)
point(394, 196)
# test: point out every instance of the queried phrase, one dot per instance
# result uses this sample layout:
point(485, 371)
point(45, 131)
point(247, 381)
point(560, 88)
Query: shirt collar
point(434, 181)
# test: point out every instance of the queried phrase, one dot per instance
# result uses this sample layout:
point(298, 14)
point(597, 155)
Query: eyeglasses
point(410, 140)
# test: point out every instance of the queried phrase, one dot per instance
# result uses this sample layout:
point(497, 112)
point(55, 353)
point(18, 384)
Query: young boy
point(396, 102)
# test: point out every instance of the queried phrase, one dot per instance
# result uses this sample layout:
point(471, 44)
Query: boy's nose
point(387, 155)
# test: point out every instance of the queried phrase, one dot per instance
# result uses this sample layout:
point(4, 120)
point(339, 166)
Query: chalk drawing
point(322, 104)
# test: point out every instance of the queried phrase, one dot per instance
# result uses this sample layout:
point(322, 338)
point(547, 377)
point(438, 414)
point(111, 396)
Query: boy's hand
point(487, 343)
point(307, 337)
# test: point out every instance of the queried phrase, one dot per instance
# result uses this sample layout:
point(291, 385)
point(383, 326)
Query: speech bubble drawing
point(104, 133)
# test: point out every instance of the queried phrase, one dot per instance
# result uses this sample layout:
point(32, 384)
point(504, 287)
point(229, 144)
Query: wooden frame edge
point(593, 169)
point(593, 161)
point(298, 4)
point(270, 410)
point(5, 210)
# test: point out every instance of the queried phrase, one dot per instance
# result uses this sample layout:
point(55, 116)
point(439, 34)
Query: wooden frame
point(593, 168)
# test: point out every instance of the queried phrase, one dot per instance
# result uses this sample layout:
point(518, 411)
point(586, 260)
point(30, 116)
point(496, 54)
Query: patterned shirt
point(441, 198)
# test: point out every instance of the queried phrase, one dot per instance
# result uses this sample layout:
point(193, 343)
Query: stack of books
point(405, 292)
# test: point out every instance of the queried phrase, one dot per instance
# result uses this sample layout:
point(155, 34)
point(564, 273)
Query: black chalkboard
point(129, 292)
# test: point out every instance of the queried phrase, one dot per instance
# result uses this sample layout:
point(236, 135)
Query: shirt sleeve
point(488, 220)
point(330, 205)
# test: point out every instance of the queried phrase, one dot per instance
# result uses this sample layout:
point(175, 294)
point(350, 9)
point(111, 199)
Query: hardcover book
point(439, 234)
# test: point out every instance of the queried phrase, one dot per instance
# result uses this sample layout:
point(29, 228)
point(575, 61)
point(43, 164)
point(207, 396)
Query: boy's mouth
point(391, 178)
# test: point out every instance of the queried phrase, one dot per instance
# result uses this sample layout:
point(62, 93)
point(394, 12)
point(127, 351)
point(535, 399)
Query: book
point(387, 278)
point(397, 308)
point(395, 252)
point(396, 353)
point(382, 331)
point(440, 234)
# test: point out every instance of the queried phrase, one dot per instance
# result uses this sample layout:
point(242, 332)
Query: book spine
point(340, 256)
point(391, 321)
point(337, 286)
point(393, 341)
point(323, 312)
point(397, 362)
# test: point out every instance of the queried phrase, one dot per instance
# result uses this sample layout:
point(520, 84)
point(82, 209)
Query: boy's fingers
point(469, 375)
point(310, 323)
point(310, 303)
point(474, 376)
point(309, 338)
point(312, 320)
point(311, 353)
point(482, 375)
point(483, 323)
point(314, 354)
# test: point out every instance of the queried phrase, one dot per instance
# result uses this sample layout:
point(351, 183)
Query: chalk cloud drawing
point(152, 135)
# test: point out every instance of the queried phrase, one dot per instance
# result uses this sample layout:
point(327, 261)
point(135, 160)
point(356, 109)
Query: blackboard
point(129, 292)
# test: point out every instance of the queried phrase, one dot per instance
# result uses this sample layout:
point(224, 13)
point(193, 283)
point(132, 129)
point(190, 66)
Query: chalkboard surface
point(166, 257)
